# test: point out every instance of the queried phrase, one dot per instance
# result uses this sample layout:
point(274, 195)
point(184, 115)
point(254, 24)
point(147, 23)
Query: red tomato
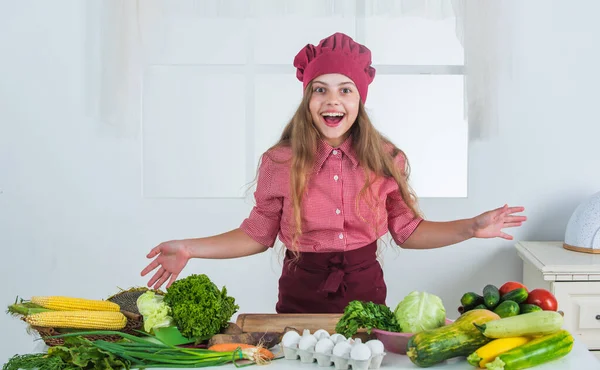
point(543, 299)
point(509, 286)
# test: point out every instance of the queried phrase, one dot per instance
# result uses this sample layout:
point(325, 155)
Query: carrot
point(247, 349)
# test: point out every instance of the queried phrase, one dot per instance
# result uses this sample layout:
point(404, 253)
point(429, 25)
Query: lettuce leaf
point(81, 353)
point(200, 310)
point(155, 311)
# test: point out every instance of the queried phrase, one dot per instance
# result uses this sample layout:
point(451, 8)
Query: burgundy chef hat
point(337, 53)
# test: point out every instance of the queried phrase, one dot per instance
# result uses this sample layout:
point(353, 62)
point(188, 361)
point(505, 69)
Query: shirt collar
point(324, 150)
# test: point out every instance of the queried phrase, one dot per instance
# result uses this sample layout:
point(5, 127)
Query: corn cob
point(105, 320)
point(74, 304)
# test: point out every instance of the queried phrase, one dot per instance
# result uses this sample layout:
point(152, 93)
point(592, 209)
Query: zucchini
point(470, 300)
point(518, 295)
point(526, 308)
point(536, 352)
point(507, 309)
point(532, 323)
point(491, 296)
point(490, 351)
point(460, 338)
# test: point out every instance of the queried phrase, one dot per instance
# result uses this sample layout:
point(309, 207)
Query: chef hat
point(337, 53)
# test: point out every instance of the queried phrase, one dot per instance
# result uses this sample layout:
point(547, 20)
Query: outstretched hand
point(171, 258)
point(490, 224)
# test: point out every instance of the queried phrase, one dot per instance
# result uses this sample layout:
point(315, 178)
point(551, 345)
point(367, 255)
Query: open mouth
point(332, 119)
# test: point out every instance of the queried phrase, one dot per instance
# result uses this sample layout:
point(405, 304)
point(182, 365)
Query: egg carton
point(326, 360)
point(335, 350)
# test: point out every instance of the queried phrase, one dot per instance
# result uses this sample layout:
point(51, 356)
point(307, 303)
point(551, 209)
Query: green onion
point(146, 354)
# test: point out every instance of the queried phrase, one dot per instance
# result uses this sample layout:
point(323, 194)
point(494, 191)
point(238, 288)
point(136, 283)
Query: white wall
point(72, 220)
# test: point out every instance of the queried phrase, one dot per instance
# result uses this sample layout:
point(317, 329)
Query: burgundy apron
point(327, 282)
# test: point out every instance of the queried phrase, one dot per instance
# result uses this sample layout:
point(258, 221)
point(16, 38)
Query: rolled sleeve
point(402, 222)
point(263, 223)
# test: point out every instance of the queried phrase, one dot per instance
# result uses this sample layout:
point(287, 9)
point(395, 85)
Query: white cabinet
point(574, 279)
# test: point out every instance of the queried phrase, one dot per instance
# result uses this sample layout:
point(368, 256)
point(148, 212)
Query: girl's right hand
point(171, 258)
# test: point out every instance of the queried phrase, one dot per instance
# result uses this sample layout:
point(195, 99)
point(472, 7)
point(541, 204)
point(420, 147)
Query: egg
point(360, 352)
point(352, 340)
point(290, 339)
point(307, 342)
point(376, 346)
point(342, 349)
point(325, 346)
point(337, 337)
point(321, 333)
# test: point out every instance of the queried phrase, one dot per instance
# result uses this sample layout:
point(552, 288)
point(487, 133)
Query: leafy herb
point(83, 354)
point(200, 310)
point(76, 354)
point(366, 315)
point(39, 361)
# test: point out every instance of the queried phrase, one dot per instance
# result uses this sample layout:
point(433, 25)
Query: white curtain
point(115, 47)
point(484, 31)
point(117, 30)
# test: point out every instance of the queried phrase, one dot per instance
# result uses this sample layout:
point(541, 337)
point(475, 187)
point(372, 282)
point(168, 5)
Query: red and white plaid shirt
point(330, 220)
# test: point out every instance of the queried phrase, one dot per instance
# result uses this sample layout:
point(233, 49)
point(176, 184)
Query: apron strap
point(335, 280)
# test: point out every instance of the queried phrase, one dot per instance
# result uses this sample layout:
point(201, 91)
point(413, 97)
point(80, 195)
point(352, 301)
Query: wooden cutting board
point(261, 322)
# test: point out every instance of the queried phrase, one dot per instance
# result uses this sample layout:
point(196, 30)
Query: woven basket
point(127, 299)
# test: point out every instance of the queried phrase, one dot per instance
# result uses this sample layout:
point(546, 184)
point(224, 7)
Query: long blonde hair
point(369, 145)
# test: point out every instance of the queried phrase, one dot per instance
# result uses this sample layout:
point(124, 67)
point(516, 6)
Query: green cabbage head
point(420, 311)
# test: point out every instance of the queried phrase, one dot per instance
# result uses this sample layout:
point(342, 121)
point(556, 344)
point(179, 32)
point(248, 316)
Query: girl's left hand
point(491, 223)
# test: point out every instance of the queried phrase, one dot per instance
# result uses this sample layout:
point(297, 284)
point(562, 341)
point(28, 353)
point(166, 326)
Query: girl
point(329, 189)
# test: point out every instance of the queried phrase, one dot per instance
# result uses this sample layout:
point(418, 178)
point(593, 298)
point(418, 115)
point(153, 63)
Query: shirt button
point(341, 236)
point(336, 177)
point(335, 152)
point(337, 211)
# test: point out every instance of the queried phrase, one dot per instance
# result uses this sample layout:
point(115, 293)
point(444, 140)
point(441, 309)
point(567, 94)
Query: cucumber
point(507, 309)
point(491, 296)
point(470, 300)
point(526, 308)
point(536, 352)
point(532, 323)
point(481, 307)
point(518, 295)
